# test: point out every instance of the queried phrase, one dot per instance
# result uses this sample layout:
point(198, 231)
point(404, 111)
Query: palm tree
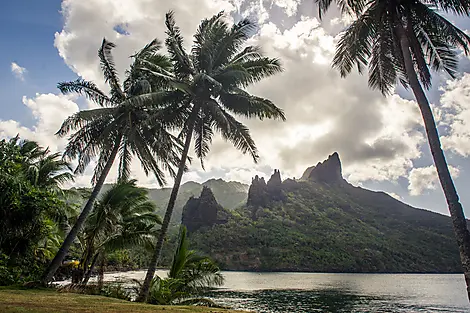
point(189, 274)
point(123, 217)
point(404, 40)
point(132, 121)
point(41, 168)
point(210, 84)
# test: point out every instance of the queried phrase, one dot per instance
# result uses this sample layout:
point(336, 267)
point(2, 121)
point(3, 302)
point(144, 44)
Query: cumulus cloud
point(425, 178)
point(325, 113)
point(18, 71)
point(454, 115)
point(48, 112)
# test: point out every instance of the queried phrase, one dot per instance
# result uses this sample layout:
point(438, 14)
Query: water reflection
point(307, 301)
point(335, 293)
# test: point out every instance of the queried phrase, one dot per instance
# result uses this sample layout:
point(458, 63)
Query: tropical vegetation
point(404, 41)
point(210, 84)
point(189, 275)
point(33, 210)
point(134, 120)
point(166, 103)
point(123, 217)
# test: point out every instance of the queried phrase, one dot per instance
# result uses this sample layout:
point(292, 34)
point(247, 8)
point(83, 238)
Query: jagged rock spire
point(202, 211)
point(328, 171)
point(274, 186)
point(258, 192)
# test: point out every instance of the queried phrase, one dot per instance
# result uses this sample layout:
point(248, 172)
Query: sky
point(381, 141)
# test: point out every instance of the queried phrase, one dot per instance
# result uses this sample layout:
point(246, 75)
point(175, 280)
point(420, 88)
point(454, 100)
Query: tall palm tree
point(210, 82)
point(132, 121)
point(123, 217)
point(404, 40)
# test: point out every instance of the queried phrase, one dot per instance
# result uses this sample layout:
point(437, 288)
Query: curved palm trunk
point(90, 270)
point(101, 273)
point(144, 290)
point(59, 257)
point(455, 207)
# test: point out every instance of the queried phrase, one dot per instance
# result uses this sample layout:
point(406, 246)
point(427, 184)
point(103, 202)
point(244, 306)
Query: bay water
point(335, 293)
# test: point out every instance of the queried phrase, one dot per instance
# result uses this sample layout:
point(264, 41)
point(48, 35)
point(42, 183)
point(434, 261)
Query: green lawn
point(50, 301)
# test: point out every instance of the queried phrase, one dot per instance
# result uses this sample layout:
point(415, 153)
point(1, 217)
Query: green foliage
point(332, 229)
point(30, 207)
point(131, 117)
point(117, 291)
point(373, 41)
point(189, 275)
point(122, 218)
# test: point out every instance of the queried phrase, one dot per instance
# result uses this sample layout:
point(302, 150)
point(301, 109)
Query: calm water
point(335, 293)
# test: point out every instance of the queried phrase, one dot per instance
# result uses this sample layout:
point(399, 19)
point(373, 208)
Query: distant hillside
point(322, 223)
point(229, 194)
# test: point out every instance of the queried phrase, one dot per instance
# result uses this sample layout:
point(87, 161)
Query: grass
point(51, 301)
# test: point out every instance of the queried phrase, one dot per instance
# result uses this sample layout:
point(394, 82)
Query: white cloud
point(48, 112)
point(18, 71)
point(455, 114)
point(325, 113)
point(425, 178)
point(290, 6)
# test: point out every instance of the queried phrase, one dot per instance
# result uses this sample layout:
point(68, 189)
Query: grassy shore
point(50, 301)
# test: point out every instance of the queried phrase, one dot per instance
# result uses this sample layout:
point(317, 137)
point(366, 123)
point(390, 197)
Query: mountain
point(322, 223)
point(229, 194)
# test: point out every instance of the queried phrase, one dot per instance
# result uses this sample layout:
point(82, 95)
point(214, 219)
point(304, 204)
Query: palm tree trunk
point(144, 290)
point(90, 271)
point(455, 207)
point(101, 273)
point(59, 257)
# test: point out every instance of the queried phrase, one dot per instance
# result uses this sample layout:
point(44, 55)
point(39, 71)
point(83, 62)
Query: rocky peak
point(275, 179)
point(274, 186)
point(328, 171)
point(202, 211)
point(258, 192)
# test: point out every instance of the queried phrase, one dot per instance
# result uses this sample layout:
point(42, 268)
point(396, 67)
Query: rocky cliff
point(322, 223)
point(328, 171)
point(203, 211)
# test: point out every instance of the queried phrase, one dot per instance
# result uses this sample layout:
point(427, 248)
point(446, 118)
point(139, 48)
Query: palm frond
point(86, 88)
point(84, 118)
point(203, 136)
point(232, 130)
point(231, 42)
point(125, 159)
point(347, 7)
point(247, 72)
point(174, 44)
point(242, 103)
point(459, 7)
point(109, 70)
point(354, 46)
point(382, 72)
point(209, 33)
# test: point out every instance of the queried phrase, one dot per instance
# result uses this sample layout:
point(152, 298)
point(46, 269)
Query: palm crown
point(131, 117)
point(374, 40)
point(210, 81)
point(356, 7)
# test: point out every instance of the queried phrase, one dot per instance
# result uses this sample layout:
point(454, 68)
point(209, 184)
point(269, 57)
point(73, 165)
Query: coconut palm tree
point(123, 217)
point(210, 82)
point(132, 121)
point(404, 40)
point(189, 274)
